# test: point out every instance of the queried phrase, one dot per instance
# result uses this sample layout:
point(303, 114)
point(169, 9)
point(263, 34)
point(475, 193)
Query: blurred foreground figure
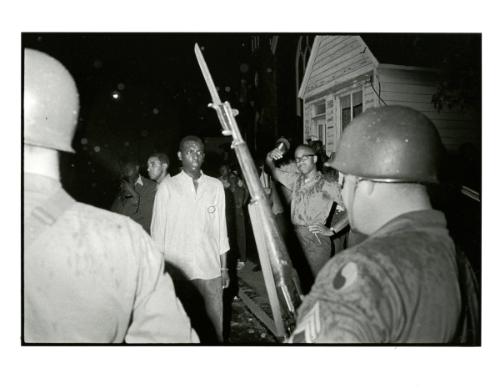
point(404, 283)
point(90, 276)
point(136, 195)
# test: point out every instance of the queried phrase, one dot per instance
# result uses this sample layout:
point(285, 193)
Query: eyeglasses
point(302, 158)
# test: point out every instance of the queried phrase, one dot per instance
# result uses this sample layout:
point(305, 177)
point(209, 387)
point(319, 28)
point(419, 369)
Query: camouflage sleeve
point(158, 315)
point(346, 305)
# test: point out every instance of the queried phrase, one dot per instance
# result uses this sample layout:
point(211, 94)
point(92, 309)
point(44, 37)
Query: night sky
point(141, 93)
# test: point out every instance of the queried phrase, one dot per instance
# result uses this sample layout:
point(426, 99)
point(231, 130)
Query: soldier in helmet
point(89, 275)
point(401, 284)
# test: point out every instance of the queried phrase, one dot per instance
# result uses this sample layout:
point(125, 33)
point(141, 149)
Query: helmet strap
point(350, 208)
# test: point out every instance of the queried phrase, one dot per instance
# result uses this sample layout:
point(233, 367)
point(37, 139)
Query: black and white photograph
point(297, 201)
point(252, 188)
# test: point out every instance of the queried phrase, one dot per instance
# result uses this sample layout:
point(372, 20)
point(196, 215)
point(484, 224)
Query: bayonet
point(270, 244)
point(206, 74)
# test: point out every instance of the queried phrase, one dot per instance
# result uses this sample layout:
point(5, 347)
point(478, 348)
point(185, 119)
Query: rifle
point(269, 242)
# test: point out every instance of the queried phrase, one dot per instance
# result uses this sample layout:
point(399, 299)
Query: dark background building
point(141, 93)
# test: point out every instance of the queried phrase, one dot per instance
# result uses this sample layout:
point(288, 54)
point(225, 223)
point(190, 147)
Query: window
point(319, 108)
point(319, 121)
point(351, 105)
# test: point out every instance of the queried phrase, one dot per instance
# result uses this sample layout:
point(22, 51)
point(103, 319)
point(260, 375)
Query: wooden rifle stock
point(285, 277)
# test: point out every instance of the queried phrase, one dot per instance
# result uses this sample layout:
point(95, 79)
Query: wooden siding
point(335, 56)
point(307, 120)
point(414, 89)
point(330, 124)
point(340, 63)
point(370, 99)
point(338, 58)
point(332, 114)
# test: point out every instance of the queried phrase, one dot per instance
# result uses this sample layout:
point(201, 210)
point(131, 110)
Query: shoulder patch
point(309, 327)
point(345, 276)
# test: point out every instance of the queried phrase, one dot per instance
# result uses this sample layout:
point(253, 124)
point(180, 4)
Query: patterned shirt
point(189, 226)
point(311, 200)
point(398, 286)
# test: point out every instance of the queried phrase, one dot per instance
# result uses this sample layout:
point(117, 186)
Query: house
point(346, 75)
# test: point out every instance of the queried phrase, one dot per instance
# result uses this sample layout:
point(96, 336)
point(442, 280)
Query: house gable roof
point(412, 51)
point(318, 40)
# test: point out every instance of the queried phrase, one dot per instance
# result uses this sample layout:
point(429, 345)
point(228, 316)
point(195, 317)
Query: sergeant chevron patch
point(309, 327)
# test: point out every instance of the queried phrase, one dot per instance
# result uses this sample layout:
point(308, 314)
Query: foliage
point(459, 84)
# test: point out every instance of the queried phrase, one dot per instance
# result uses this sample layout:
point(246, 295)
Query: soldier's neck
point(41, 161)
point(392, 204)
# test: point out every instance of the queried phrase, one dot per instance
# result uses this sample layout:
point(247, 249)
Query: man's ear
point(368, 186)
point(315, 158)
point(179, 155)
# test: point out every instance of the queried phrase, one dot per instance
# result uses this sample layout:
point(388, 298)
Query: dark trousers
point(316, 247)
point(202, 300)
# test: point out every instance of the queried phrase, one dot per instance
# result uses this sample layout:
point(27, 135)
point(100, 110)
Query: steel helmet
point(50, 102)
point(390, 144)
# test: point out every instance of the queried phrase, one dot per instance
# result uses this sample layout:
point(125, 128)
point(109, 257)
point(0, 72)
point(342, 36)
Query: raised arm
point(286, 178)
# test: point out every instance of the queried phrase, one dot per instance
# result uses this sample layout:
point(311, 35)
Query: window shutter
point(307, 121)
point(337, 121)
point(330, 127)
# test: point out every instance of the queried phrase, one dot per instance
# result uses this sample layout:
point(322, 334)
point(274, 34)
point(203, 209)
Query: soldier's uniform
point(90, 276)
point(404, 283)
point(398, 286)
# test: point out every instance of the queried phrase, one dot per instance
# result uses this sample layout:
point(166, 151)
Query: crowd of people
point(376, 261)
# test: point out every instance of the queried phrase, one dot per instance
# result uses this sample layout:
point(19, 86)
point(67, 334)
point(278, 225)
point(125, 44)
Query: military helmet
point(50, 102)
point(390, 144)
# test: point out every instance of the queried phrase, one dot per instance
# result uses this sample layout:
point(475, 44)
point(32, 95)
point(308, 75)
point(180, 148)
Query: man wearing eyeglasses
point(401, 284)
point(312, 199)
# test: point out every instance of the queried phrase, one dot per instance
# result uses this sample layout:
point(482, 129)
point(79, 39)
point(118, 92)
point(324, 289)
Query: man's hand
point(225, 278)
point(275, 154)
point(320, 229)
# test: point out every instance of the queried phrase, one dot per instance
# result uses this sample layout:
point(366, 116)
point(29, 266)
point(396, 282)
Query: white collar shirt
point(189, 226)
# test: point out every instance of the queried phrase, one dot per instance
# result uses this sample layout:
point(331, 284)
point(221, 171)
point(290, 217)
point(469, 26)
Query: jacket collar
point(430, 218)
